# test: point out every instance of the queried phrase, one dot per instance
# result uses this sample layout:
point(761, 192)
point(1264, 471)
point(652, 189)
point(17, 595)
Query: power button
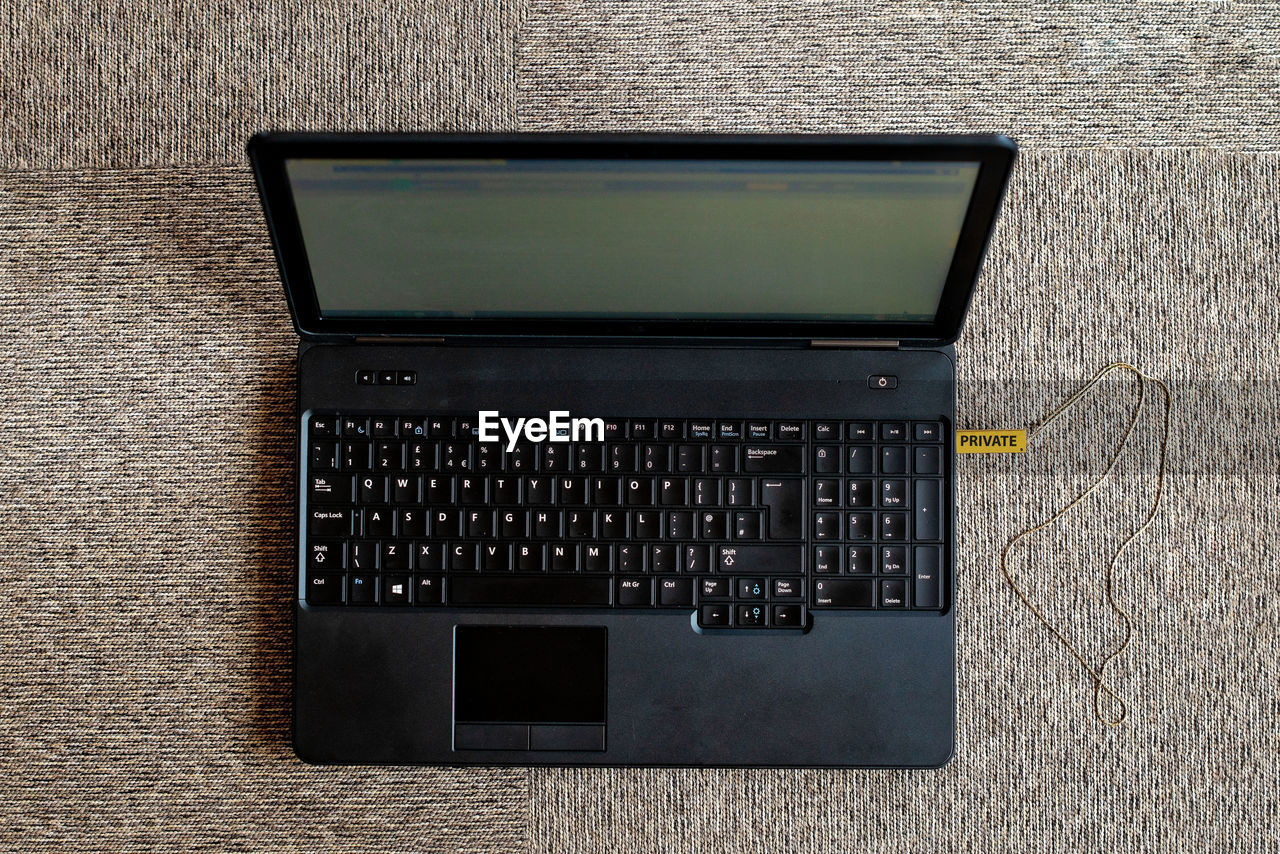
point(882, 381)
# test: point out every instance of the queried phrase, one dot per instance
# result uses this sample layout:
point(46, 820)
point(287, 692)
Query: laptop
point(627, 449)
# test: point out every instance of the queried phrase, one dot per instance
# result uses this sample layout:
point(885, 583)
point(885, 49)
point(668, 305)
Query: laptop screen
point(630, 239)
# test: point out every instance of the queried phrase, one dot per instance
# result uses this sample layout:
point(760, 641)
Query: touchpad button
point(548, 681)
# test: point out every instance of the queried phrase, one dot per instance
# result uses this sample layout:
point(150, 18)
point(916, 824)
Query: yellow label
point(991, 441)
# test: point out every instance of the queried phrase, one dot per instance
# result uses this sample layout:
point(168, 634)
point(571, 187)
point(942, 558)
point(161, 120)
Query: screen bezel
point(268, 153)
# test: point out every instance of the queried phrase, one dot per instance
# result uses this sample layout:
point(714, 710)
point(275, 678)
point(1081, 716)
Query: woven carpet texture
point(147, 366)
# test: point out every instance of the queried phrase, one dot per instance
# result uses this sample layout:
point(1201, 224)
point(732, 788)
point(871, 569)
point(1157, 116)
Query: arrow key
point(751, 588)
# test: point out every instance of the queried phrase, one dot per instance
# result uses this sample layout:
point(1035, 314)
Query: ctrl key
point(324, 589)
point(714, 616)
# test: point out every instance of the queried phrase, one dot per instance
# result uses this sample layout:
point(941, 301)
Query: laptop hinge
point(854, 343)
point(396, 339)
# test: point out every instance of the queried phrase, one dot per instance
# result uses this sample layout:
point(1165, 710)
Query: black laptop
point(627, 449)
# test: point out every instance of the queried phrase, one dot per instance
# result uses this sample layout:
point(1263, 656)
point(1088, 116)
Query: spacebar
point(533, 590)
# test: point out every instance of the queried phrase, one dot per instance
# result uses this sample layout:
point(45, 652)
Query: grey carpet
point(144, 662)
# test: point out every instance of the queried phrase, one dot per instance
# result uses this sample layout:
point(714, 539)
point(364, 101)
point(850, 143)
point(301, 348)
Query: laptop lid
point(630, 236)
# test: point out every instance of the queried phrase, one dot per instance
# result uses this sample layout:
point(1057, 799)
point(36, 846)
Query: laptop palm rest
point(529, 687)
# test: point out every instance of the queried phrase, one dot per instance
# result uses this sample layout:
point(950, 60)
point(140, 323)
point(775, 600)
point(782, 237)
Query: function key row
point(445, 427)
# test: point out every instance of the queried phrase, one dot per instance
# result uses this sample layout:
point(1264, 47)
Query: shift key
point(762, 560)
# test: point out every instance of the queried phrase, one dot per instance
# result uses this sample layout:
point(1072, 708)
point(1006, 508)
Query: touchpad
point(529, 687)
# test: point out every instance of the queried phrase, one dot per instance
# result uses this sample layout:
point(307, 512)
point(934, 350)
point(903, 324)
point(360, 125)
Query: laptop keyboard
point(749, 523)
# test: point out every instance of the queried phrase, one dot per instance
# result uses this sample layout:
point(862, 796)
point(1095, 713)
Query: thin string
point(1100, 684)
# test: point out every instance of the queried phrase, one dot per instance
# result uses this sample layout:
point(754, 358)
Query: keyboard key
point(893, 459)
point(861, 431)
point(861, 526)
point(395, 556)
point(762, 560)
point(860, 459)
point(330, 488)
point(564, 557)
point(697, 559)
point(893, 431)
point(668, 430)
point(861, 493)
point(324, 456)
point(462, 557)
point(789, 431)
point(788, 616)
point(826, 459)
point(706, 492)
point(928, 460)
point(746, 526)
point(371, 489)
point(893, 593)
point(893, 559)
point(751, 616)
point(675, 592)
point(655, 459)
point(729, 429)
point(679, 525)
point(362, 555)
point(331, 522)
point(928, 431)
point(363, 590)
point(826, 559)
point(597, 558)
point(826, 431)
point(715, 588)
point(406, 489)
point(495, 557)
point(750, 588)
point(530, 558)
point(928, 560)
point(861, 559)
point(788, 588)
point(635, 591)
point(715, 526)
point(738, 492)
point(428, 590)
point(826, 526)
point(702, 430)
point(588, 457)
point(630, 558)
point(548, 590)
point(893, 493)
point(689, 459)
point(428, 556)
point(640, 491)
point(928, 510)
point(324, 589)
point(325, 555)
point(613, 524)
point(664, 558)
point(785, 501)
point(893, 526)
point(843, 593)
point(773, 459)
point(713, 615)
point(758, 430)
point(324, 426)
point(395, 590)
point(647, 524)
point(724, 459)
